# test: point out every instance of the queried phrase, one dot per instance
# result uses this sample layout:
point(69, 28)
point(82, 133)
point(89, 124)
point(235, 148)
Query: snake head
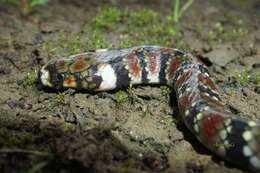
point(76, 71)
point(50, 77)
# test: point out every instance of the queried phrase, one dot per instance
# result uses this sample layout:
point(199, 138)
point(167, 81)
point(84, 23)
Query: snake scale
point(232, 138)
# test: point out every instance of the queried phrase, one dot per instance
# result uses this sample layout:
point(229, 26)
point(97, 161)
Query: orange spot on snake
point(69, 82)
point(134, 65)
point(79, 65)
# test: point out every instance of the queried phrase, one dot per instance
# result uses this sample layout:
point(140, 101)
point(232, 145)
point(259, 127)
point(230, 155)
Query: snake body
point(234, 139)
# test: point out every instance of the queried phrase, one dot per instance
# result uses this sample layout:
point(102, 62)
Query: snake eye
point(59, 77)
point(57, 80)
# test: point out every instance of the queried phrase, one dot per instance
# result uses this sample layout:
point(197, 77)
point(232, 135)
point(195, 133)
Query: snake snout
point(44, 77)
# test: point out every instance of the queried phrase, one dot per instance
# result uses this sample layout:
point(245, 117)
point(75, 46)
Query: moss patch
point(128, 28)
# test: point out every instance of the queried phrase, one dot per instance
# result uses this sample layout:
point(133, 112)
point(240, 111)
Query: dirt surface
point(133, 130)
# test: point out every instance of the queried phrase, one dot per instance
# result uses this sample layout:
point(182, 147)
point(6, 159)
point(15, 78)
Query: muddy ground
point(133, 130)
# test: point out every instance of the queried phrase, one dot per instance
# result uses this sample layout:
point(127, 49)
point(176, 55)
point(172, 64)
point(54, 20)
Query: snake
point(202, 111)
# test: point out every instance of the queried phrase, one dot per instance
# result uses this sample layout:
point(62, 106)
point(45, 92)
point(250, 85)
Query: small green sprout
point(165, 91)
point(257, 79)
point(167, 120)
point(143, 17)
point(61, 99)
point(217, 33)
point(74, 44)
point(97, 40)
point(231, 92)
point(30, 79)
point(239, 32)
point(107, 18)
point(243, 77)
point(220, 33)
point(126, 43)
point(34, 3)
point(131, 92)
point(121, 97)
point(26, 6)
point(65, 44)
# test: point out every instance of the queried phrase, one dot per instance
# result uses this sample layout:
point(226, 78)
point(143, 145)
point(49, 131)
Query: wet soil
point(45, 131)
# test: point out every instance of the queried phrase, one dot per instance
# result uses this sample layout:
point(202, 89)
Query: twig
point(185, 7)
point(37, 167)
point(23, 151)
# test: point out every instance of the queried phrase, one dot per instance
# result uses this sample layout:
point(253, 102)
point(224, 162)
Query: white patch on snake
point(228, 122)
point(255, 162)
point(45, 77)
point(252, 123)
point(223, 134)
point(214, 91)
point(101, 50)
point(206, 74)
point(199, 116)
point(247, 135)
point(188, 89)
point(229, 128)
point(180, 95)
point(196, 128)
point(108, 76)
point(206, 94)
point(215, 98)
point(206, 108)
point(187, 112)
point(247, 151)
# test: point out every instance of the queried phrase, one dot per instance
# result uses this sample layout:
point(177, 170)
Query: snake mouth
point(44, 77)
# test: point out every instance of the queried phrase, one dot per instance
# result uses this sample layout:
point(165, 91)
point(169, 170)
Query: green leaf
point(34, 3)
